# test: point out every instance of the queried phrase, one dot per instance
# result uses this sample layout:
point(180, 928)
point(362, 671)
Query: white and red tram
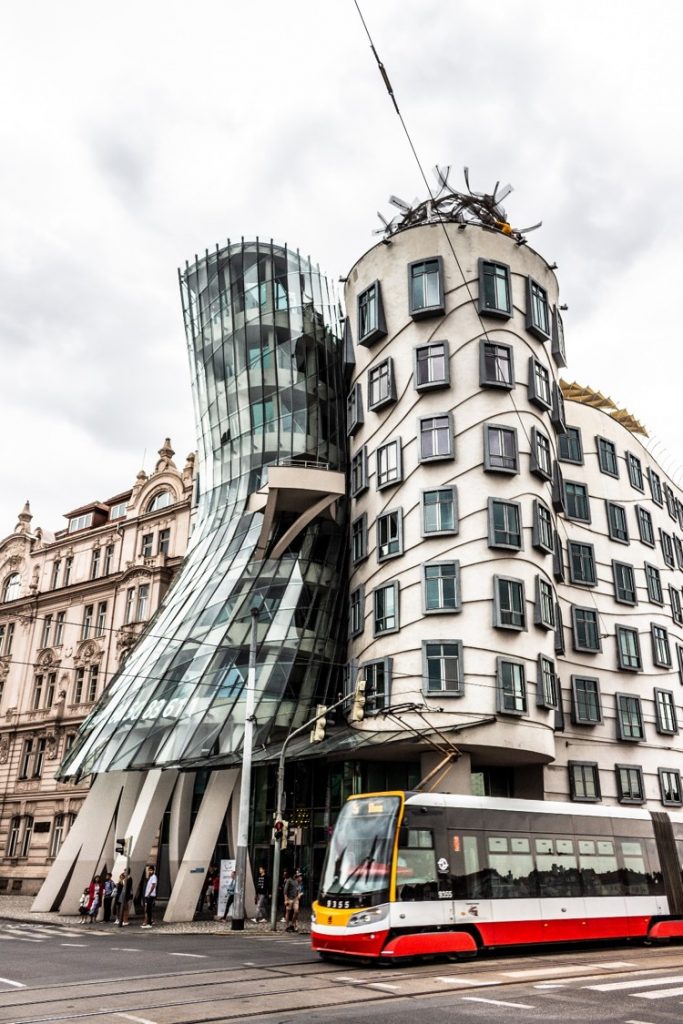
point(425, 873)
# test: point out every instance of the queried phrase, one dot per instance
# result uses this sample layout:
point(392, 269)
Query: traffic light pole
point(237, 923)
point(281, 799)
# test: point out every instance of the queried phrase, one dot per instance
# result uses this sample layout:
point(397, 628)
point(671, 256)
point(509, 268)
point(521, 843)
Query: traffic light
point(121, 847)
point(358, 707)
point(318, 730)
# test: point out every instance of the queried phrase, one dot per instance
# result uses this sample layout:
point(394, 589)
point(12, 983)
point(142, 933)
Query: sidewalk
point(18, 908)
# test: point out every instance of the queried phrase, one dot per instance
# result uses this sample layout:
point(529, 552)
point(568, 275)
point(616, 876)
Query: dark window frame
point(437, 382)
point(498, 623)
point(646, 530)
point(586, 613)
point(389, 514)
point(442, 610)
point(385, 398)
point(590, 700)
point(521, 696)
point(624, 594)
point(570, 504)
point(608, 460)
point(540, 456)
point(626, 775)
point(663, 775)
point(571, 438)
point(635, 472)
point(443, 691)
point(627, 661)
point(503, 544)
point(541, 526)
point(435, 309)
point(533, 392)
point(421, 433)
point(537, 299)
point(382, 481)
point(485, 380)
point(661, 725)
point(379, 328)
point(500, 312)
point(614, 530)
point(355, 416)
point(448, 531)
point(627, 706)
point(575, 793)
point(661, 646)
point(582, 548)
point(489, 465)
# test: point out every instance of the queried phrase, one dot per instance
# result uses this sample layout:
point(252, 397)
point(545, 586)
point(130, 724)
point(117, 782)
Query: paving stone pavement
point(18, 908)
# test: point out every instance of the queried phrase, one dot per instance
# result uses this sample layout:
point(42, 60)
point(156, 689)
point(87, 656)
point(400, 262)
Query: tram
point(418, 874)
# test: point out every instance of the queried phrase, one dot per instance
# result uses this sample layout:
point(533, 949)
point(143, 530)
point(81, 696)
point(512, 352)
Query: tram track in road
point(225, 994)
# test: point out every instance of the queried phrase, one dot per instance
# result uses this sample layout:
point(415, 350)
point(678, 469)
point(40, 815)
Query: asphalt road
point(109, 976)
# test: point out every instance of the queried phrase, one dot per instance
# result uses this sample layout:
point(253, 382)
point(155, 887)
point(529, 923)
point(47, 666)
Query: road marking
point(573, 969)
point(637, 1022)
point(497, 1002)
point(195, 956)
point(138, 1020)
point(75, 945)
point(383, 987)
point(455, 980)
point(14, 984)
point(18, 938)
point(125, 949)
point(551, 984)
point(619, 986)
point(659, 995)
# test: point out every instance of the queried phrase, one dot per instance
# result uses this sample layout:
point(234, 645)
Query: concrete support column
point(81, 854)
point(455, 778)
point(200, 846)
point(144, 821)
point(179, 825)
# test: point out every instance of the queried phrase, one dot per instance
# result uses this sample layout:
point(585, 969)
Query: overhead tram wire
point(392, 96)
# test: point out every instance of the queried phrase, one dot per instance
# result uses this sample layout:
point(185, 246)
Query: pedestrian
point(291, 892)
point(83, 904)
point(285, 879)
point(116, 896)
point(215, 890)
point(150, 895)
point(107, 896)
point(230, 894)
point(125, 898)
point(94, 898)
point(261, 893)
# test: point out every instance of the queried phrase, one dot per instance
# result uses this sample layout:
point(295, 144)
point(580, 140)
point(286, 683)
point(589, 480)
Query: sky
point(137, 134)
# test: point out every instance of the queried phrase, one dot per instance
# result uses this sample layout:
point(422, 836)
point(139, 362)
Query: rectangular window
point(95, 563)
point(667, 548)
point(500, 449)
point(546, 684)
point(78, 685)
point(68, 566)
point(45, 635)
point(624, 579)
point(558, 559)
point(654, 584)
point(101, 618)
point(143, 601)
point(436, 437)
point(381, 385)
point(509, 611)
point(607, 456)
point(389, 534)
point(147, 549)
point(80, 522)
point(544, 610)
point(108, 560)
point(495, 296)
point(670, 503)
point(92, 683)
point(645, 527)
point(440, 511)
point(432, 367)
point(13, 838)
point(584, 781)
point(586, 706)
point(50, 689)
point(442, 667)
point(505, 524)
point(371, 323)
point(675, 600)
point(425, 288)
point(377, 684)
point(630, 784)
point(389, 468)
point(57, 835)
point(558, 416)
point(655, 487)
point(56, 566)
point(357, 611)
point(581, 559)
point(629, 718)
point(635, 472)
point(541, 462)
point(164, 542)
point(130, 605)
point(359, 539)
point(628, 649)
point(39, 758)
point(26, 759)
point(88, 612)
point(118, 510)
point(617, 525)
point(665, 712)
point(537, 313)
point(558, 346)
point(678, 549)
point(576, 501)
point(586, 629)
point(354, 410)
point(670, 786)
point(496, 367)
point(9, 638)
point(386, 618)
point(542, 531)
point(442, 587)
point(359, 472)
point(538, 385)
point(511, 681)
point(570, 448)
point(37, 691)
point(27, 836)
point(661, 651)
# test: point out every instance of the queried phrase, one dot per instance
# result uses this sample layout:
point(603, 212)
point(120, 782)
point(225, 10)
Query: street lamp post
point(237, 923)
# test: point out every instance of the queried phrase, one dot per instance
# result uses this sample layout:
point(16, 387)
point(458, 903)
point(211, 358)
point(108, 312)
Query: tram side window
point(416, 876)
point(467, 880)
point(511, 867)
point(639, 858)
point(599, 868)
point(557, 867)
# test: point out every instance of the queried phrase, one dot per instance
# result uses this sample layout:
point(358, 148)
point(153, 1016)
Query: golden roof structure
point(587, 396)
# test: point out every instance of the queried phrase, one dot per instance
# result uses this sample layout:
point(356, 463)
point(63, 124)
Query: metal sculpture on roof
point(482, 209)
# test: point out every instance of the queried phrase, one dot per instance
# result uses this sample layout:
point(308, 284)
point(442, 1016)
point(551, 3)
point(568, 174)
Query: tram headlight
point(370, 916)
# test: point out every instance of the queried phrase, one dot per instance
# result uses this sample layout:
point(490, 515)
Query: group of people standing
point(290, 891)
point(116, 898)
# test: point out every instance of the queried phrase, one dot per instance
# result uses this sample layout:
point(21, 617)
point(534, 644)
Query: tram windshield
point(359, 857)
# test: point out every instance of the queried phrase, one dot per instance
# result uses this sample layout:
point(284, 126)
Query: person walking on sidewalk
point(292, 890)
point(108, 895)
point(150, 895)
point(261, 888)
point(229, 895)
point(124, 898)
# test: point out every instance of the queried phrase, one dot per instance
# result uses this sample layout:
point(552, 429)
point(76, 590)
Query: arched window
point(162, 499)
point(11, 589)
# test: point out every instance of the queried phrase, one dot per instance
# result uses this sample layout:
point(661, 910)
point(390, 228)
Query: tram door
point(423, 882)
point(471, 902)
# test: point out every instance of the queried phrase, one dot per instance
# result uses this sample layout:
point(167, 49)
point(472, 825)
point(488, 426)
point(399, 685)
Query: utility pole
point(245, 781)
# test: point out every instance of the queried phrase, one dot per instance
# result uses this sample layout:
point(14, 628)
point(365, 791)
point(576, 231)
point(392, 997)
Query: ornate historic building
point(71, 607)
